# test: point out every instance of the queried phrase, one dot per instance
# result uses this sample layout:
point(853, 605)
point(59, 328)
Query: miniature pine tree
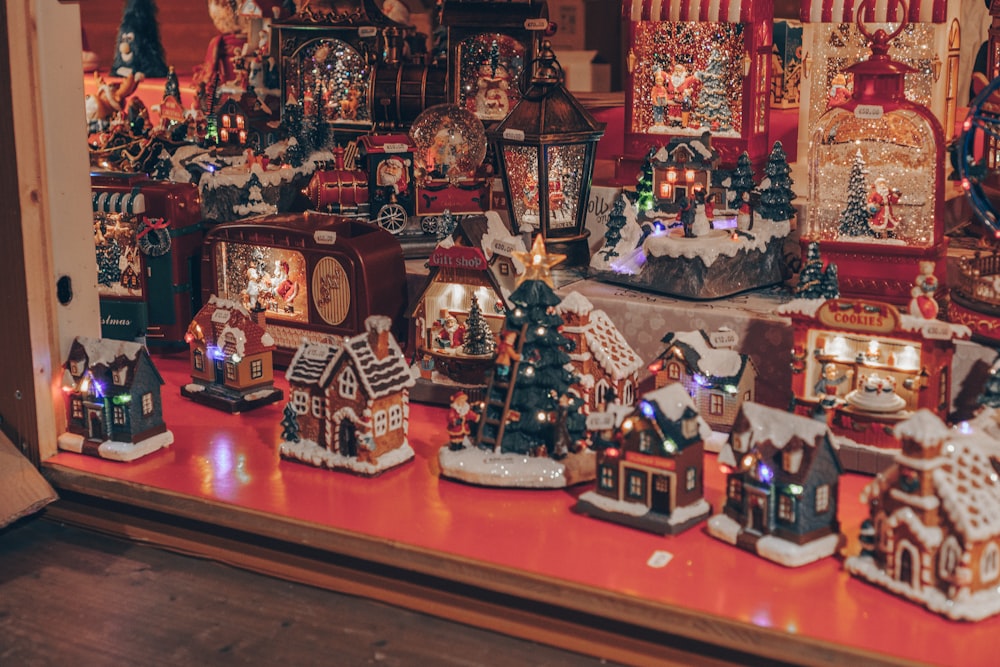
point(542, 375)
point(616, 221)
point(295, 154)
point(742, 180)
point(776, 199)
point(644, 188)
point(289, 424)
point(831, 282)
point(854, 218)
point(810, 285)
point(479, 340)
point(108, 267)
point(163, 166)
point(172, 87)
point(713, 102)
point(291, 119)
point(139, 49)
point(254, 190)
point(990, 398)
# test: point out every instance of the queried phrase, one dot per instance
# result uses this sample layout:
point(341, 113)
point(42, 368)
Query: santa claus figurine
point(883, 220)
point(460, 414)
point(680, 94)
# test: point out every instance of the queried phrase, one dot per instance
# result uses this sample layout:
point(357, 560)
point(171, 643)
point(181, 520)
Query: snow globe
point(450, 143)
point(876, 181)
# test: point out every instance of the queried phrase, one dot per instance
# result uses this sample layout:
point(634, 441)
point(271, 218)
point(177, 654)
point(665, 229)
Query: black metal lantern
point(546, 148)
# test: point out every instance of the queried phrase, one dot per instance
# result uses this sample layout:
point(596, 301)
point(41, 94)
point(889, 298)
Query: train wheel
point(430, 224)
point(392, 218)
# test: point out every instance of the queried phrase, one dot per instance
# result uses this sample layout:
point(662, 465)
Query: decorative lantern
point(876, 181)
point(546, 149)
point(489, 44)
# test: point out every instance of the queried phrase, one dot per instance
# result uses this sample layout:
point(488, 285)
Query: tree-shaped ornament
point(713, 101)
point(613, 234)
point(139, 50)
point(289, 424)
point(815, 281)
point(776, 198)
point(172, 87)
point(741, 181)
point(854, 218)
point(522, 409)
point(479, 339)
point(644, 187)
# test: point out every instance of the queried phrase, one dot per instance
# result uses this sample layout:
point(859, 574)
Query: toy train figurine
point(312, 276)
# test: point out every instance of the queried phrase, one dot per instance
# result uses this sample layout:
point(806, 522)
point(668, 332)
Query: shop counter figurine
point(113, 398)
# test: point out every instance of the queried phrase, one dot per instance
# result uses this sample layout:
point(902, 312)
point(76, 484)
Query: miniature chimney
point(378, 327)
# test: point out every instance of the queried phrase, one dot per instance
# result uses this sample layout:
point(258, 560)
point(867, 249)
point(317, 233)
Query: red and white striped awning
point(715, 11)
point(881, 11)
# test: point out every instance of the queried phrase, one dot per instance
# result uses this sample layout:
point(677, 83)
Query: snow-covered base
point(194, 387)
point(975, 607)
point(114, 450)
point(637, 515)
point(487, 468)
point(309, 452)
point(222, 398)
point(774, 548)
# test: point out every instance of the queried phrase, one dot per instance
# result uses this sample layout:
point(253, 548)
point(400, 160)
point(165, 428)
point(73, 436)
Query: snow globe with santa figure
point(876, 180)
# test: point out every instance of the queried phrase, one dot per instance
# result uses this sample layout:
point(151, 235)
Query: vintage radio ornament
point(876, 182)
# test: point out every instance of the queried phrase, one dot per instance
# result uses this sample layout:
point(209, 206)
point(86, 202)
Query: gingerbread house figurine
point(650, 475)
point(231, 358)
point(350, 403)
point(781, 488)
point(933, 533)
point(719, 378)
point(114, 410)
point(603, 360)
point(676, 86)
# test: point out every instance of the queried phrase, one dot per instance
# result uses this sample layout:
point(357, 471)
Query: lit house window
point(822, 498)
point(735, 488)
point(77, 408)
point(348, 383)
point(119, 415)
point(381, 422)
point(786, 508)
point(198, 358)
point(690, 478)
point(674, 371)
point(256, 369)
point(147, 404)
point(715, 403)
point(607, 478)
point(989, 565)
point(636, 485)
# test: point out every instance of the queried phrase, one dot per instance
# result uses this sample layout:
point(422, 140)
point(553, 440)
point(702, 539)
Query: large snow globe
point(876, 181)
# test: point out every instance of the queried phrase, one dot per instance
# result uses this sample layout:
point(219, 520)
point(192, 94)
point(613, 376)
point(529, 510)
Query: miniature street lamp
point(546, 149)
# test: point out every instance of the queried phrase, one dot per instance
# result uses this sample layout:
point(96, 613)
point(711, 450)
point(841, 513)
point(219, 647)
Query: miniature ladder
point(506, 386)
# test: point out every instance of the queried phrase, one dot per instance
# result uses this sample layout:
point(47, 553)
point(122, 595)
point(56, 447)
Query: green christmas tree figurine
point(479, 339)
point(855, 216)
point(776, 198)
point(741, 181)
point(713, 102)
point(139, 50)
point(289, 424)
point(644, 188)
point(616, 221)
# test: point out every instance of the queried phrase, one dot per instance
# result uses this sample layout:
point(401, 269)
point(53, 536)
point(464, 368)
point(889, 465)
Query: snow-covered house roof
point(924, 427)
point(310, 362)
point(715, 366)
point(605, 342)
point(675, 404)
point(102, 356)
point(231, 327)
point(684, 151)
point(779, 427)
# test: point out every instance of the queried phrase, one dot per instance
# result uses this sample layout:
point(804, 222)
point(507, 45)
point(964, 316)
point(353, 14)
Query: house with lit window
point(350, 402)
point(114, 410)
point(650, 476)
point(933, 532)
point(604, 363)
point(231, 358)
point(717, 377)
point(681, 168)
point(781, 487)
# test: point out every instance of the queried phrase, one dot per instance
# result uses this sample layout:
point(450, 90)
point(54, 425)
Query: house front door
point(756, 511)
point(347, 438)
point(220, 371)
point(660, 496)
point(95, 424)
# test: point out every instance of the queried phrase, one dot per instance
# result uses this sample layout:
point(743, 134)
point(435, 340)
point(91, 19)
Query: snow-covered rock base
point(311, 453)
point(219, 398)
point(774, 548)
point(637, 515)
point(114, 450)
point(487, 468)
point(968, 607)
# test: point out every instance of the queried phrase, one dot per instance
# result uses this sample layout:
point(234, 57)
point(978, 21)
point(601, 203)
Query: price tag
point(659, 559)
point(869, 111)
point(367, 31)
point(725, 338)
point(395, 147)
point(536, 24)
point(513, 134)
point(324, 237)
point(600, 421)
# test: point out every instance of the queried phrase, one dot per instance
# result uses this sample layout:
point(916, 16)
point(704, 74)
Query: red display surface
point(234, 460)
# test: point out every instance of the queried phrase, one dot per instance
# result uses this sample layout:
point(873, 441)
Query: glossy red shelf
point(234, 459)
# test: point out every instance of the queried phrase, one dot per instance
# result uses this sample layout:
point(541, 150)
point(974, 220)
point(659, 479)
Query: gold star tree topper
point(537, 262)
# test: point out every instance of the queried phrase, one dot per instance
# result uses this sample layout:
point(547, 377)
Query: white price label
point(536, 24)
point(660, 559)
point(395, 147)
point(935, 330)
point(869, 111)
point(600, 421)
point(513, 134)
point(325, 237)
point(367, 31)
point(723, 339)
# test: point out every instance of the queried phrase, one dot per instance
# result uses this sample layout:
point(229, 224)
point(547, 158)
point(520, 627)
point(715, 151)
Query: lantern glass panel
point(872, 180)
point(522, 175)
point(564, 165)
point(842, 45)
point(330, 78)
point(688, 76)
point(273, 279)
point(119, 263)
point(490, 65)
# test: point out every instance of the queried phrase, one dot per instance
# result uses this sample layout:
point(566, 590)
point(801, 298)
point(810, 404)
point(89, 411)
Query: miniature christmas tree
point(616, 221)
point(295, 154)
point(713, 102)
point(831, 282)
point(289, 424)
point(139, 50)
point(776, 199)
point(742, 180)
point(109, 270)
point(172, 87)
point(533, 379)
point(479, 340)
point(291, 118)
point(644, 188)
point(163, 166)
point(990, 398)
point(854, 218)
point(815, 282)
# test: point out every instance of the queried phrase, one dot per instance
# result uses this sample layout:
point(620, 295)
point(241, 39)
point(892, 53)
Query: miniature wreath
point(153, 237)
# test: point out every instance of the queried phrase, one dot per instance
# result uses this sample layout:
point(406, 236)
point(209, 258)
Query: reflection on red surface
point(234, 459)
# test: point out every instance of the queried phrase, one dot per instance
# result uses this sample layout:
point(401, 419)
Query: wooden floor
point(81, 599)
